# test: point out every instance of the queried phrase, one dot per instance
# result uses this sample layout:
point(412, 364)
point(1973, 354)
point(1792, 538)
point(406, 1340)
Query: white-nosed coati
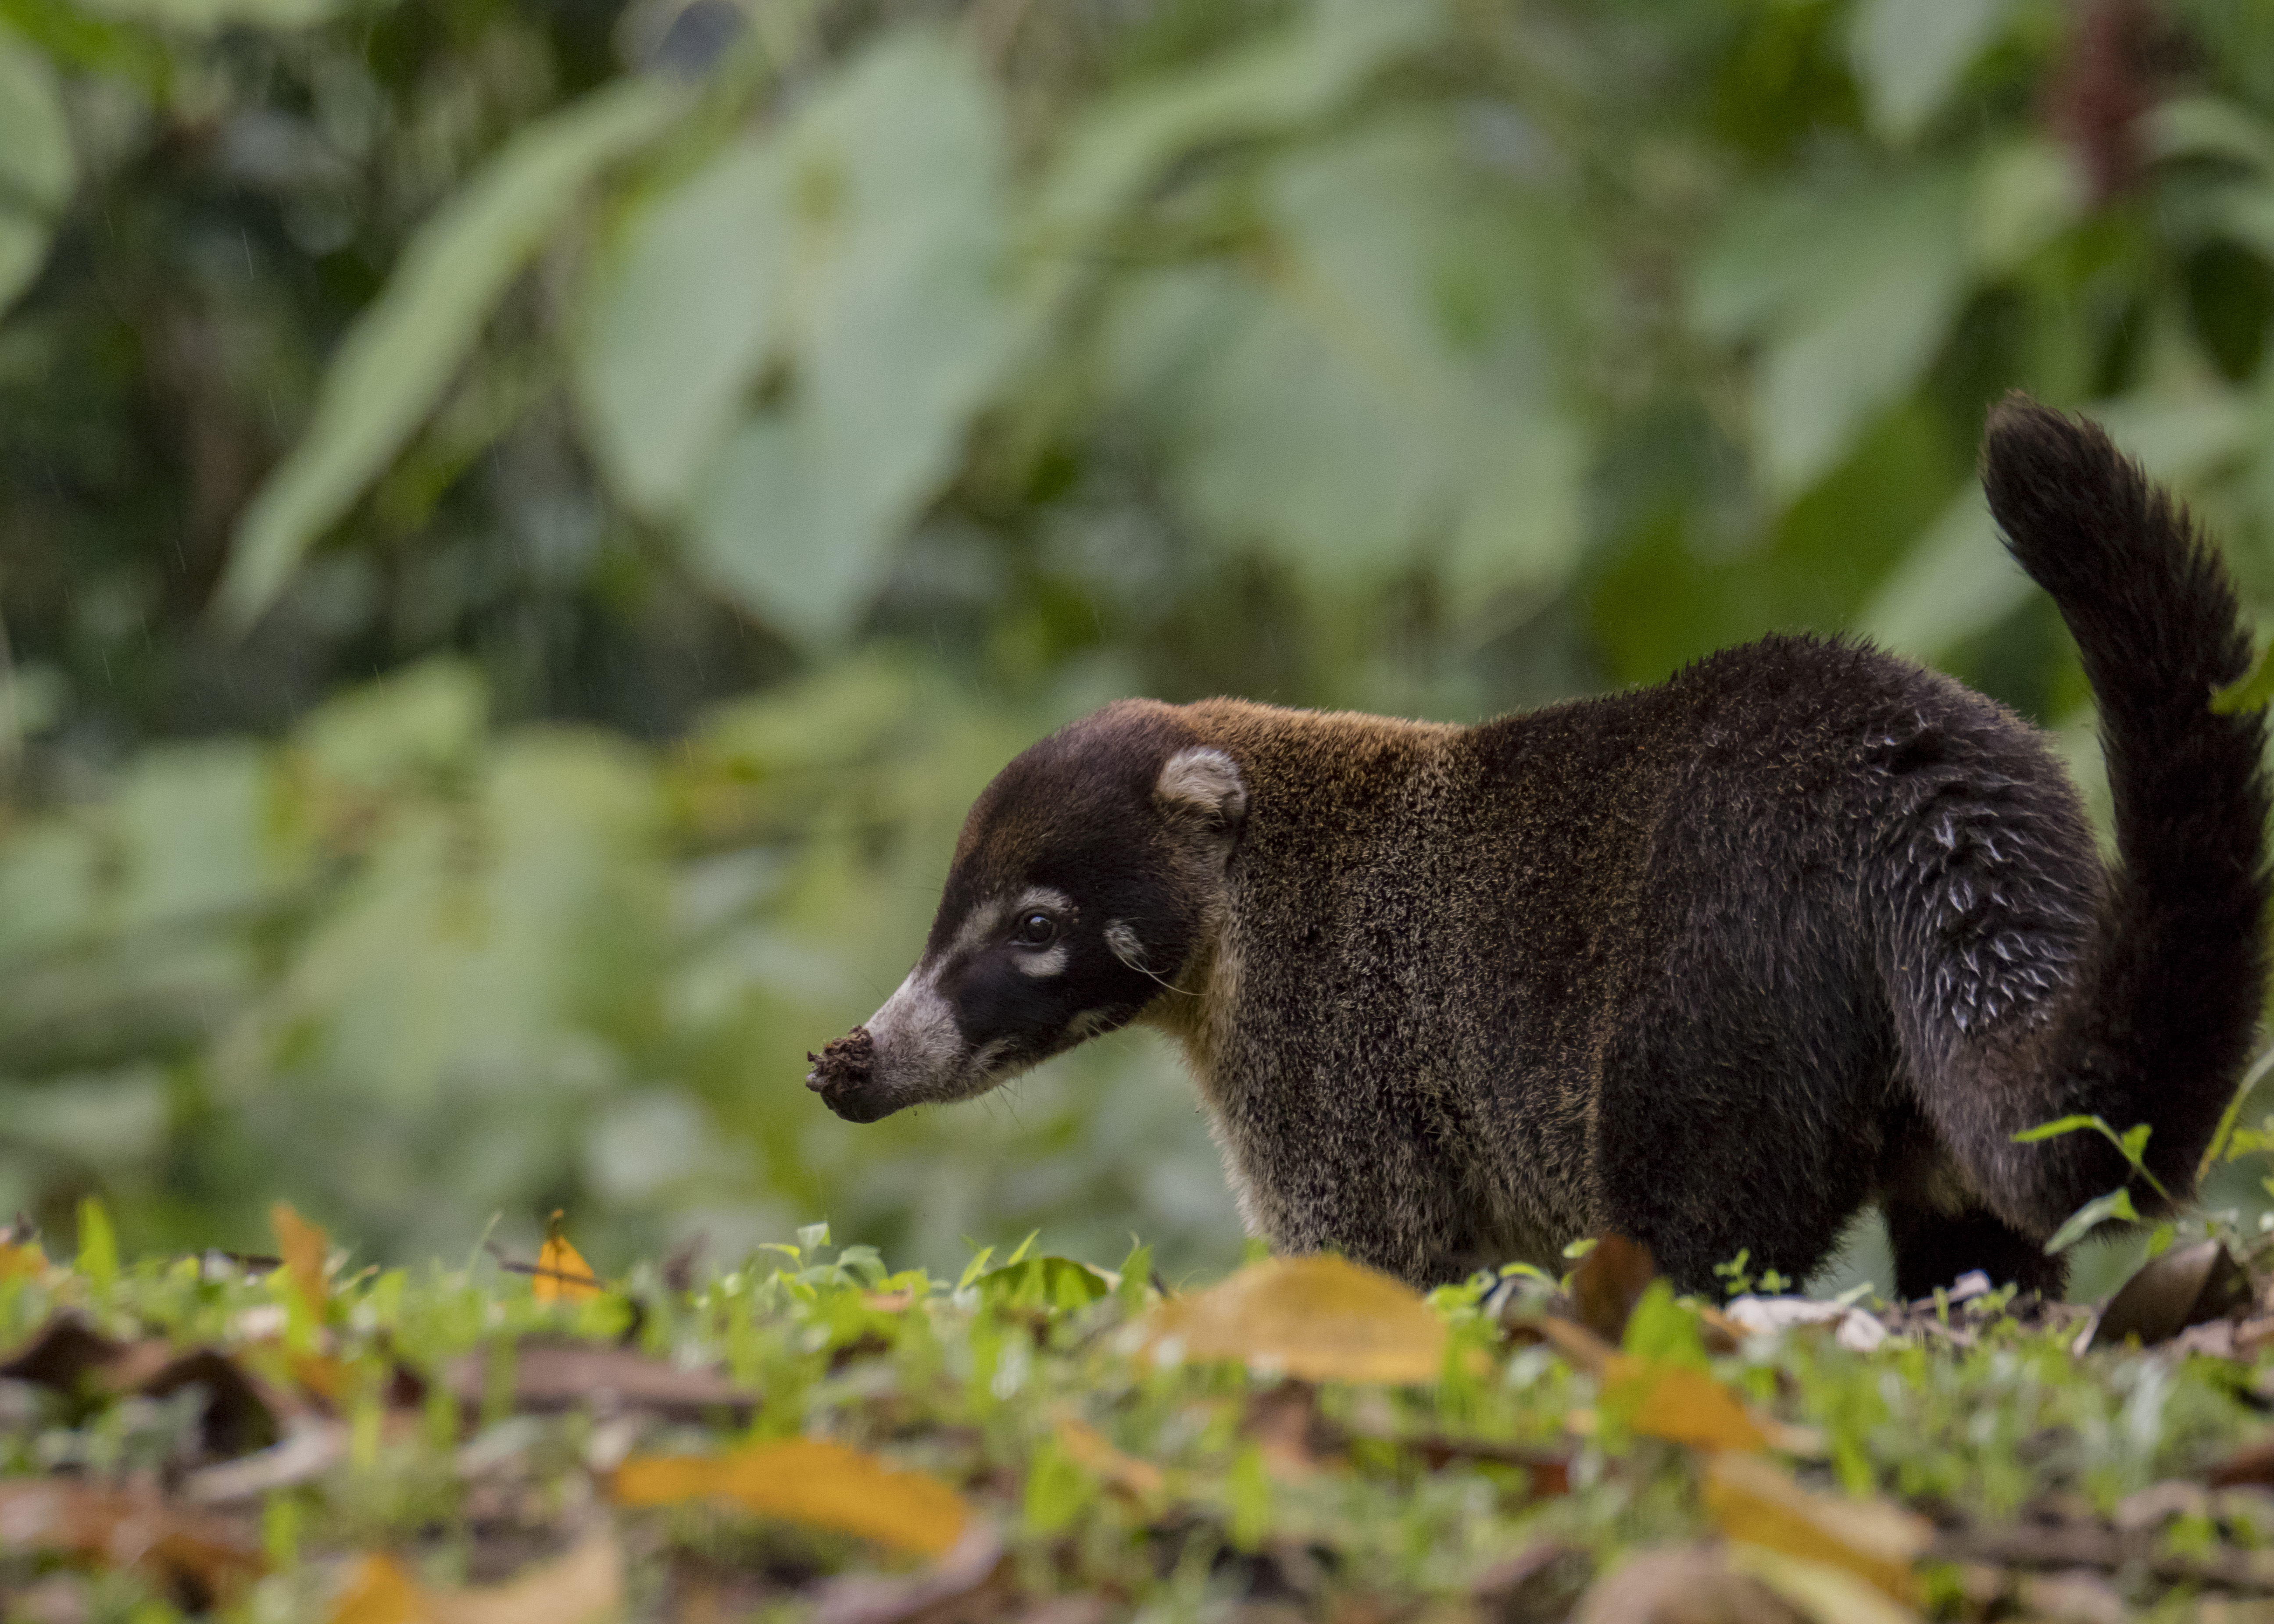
point(1711, 965)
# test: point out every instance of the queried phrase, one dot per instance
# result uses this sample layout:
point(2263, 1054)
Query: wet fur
point(1711, 964)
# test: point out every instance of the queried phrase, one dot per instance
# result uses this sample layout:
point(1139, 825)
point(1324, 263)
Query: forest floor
point(294, 1438)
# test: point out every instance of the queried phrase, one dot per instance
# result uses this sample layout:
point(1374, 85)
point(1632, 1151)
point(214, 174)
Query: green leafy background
point(522, 526)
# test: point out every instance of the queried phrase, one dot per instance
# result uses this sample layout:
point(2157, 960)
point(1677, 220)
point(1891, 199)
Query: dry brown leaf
point(312, 1447)
point(1717, 1330)
point(967, 1584)
point(1689, 1584)
point(69, 1357)
point(201, 1559)
point(1580, 1347)
point(1549, 1470)
point(1753, 1501)
point(562, 1275)
point(305, 1248)
point(1540, 1582)
point(240, 1416)
point(1318, 1318)
point(64, 1354)
point(2253, 1463)
point(586, 1584)
point(1291, 1433)
point(1608, 1283)
point(1682, 1405)
point(807, 1480)
point(1088, 1449)
point(1821, 1591)
point(2186, 1286)
point(549, 1376)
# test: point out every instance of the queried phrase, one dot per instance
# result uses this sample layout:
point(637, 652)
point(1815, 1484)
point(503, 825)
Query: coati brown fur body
point(1711, 965)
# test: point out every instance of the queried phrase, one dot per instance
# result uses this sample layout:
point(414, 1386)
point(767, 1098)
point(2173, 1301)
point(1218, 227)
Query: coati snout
point(1711, 964)
point(1084, 874)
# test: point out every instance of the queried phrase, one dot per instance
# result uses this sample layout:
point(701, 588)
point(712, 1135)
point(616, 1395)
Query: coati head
point(1087, 876)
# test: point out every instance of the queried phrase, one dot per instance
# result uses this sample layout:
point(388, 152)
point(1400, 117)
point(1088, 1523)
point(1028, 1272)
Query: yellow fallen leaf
point(318, 1373)
point(584, 1585)
point(1753, 1502)
point(1680, 1404)
point(806, 1480)
point(562, 1275)
point(378, 1591)
point(1817, 1589)
point(21, 1262)
point(1318, 1318)
point(303, 1248)
point(1088, 1449)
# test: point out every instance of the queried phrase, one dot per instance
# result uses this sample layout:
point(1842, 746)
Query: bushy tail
point(2171, 990)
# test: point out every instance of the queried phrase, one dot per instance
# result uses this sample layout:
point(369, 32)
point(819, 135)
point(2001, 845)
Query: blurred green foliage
point(523, 525)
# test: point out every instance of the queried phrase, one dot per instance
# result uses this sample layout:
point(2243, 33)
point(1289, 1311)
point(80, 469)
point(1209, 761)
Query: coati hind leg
point(1933, 1248)
point(1745, 1118)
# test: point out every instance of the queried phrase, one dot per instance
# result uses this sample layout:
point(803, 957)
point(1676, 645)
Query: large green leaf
point(1955, 581)
point(1282, 79)
point(2202, 126)
point(35, 163)
point(1911, 54)
point(1311, 398)
point(2026, 193)
point(194, 823)
point(455, 1013)
point(402, 353)
point(1852, 282)
point(1958, 581)
point(897, 319)
point(51, 882)
point(2181, 430)
point(211, 16)
point(682, 316)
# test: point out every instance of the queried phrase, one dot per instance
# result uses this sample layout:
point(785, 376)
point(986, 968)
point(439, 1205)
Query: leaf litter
point(1045, 1441)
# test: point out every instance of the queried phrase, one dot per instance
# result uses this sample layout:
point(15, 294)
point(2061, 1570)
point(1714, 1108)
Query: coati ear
point(1206, 783)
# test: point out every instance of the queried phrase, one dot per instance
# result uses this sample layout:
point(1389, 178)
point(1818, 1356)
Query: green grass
point(1160, 1488)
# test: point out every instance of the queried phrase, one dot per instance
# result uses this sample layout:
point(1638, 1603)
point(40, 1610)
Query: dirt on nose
point(842, 1061)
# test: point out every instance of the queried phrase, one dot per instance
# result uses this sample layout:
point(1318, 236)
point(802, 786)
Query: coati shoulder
point(1711, 964)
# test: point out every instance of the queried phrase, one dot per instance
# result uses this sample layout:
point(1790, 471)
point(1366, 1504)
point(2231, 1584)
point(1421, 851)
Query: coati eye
point(1035, 930)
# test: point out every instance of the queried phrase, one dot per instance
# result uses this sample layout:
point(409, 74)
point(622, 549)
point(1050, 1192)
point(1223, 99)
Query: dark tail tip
point(2039, 465)
point(2076, 512)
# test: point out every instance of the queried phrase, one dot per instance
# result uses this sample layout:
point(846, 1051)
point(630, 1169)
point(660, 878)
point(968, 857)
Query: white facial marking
point(915, 1034)
point(1043, 900)
point(984, 924)
point(1125, 944)
point(1050, 961)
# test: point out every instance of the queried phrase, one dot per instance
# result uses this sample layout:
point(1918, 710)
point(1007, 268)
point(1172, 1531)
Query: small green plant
point(2115, 1204)
point(1736, 1278)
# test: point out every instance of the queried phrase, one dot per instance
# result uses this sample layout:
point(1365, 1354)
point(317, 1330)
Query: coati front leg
point(1343, 1171)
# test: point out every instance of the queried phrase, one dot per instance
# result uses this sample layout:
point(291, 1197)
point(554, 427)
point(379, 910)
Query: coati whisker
point(1713, 964)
